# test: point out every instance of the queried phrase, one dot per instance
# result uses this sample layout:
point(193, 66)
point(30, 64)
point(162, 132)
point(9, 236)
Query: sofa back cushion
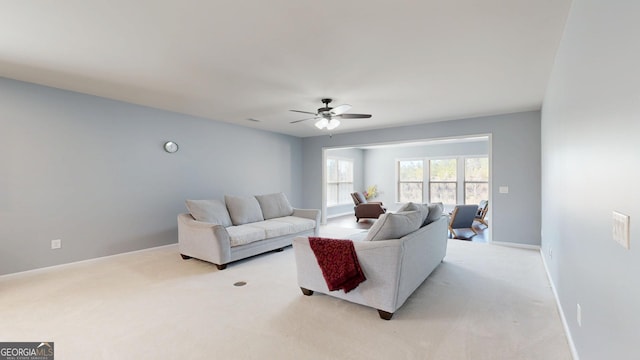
point(422, 208)
point(274, 205)
point(395, 225)
point(435, 212)
point(243, 210)
point(211, 211)
point(359, 198)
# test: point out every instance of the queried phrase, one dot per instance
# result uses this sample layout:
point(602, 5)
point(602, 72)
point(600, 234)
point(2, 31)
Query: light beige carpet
point(483, 302)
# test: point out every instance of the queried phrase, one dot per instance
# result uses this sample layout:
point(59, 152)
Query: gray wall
point(590, 149)
point(92, 172)
point(516, 163)
point(380, 164)
point(358, 176)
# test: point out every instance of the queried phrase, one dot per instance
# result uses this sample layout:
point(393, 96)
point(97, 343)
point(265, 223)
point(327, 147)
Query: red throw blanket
point(338, 262)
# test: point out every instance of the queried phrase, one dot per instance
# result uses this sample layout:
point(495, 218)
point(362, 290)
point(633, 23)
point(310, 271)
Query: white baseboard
point(516, 245)
point(47, 268)
point(567, 332)
point(341, 214)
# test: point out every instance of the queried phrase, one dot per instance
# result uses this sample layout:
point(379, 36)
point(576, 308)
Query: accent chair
point(483, 207)
point(366, 209)
point(461, 223)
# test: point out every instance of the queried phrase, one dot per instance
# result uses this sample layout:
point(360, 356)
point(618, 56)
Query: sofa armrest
point(427, 245)
point(203, 240)
point(381, 262)
point(370, 205)
point(313, 214)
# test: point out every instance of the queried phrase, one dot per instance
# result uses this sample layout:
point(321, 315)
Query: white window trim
point(397, 179)
point(464, 188)
point(326, 180)
point(426, 175)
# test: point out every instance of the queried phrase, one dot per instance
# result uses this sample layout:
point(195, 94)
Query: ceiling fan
point(328, 117)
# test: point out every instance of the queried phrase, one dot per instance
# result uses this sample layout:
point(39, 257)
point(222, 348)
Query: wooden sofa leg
point(221, 267)
point(307, 292)
point(185, 257)
point(385, 315)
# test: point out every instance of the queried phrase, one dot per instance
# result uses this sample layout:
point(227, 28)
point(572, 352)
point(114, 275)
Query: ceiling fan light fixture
point(334, 123)
point(322, 123)
point(327, 117)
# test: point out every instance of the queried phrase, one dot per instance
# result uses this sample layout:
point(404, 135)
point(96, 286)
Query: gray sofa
point(240, 227)
point(397, 255)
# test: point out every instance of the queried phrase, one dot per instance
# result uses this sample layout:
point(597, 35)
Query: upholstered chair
point(366, 209)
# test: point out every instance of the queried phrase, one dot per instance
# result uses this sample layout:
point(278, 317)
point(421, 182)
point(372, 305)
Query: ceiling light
point(322, 123)
point(334, 123)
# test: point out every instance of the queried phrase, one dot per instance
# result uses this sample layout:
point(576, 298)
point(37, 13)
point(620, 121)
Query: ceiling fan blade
point(301, 120)
point(355, 116)
point(340, 109)
point(304, 112)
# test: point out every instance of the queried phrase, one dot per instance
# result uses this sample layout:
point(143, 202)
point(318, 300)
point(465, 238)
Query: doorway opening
point(453, 170)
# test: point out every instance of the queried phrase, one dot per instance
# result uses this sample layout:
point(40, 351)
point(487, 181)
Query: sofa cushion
point(394, 225)
point(435, 212)
point(273, 228)
point(274, 205)
point(298, 224)
point(243, 209)
point(422, 208)
point(245, 234)
point(211, 211)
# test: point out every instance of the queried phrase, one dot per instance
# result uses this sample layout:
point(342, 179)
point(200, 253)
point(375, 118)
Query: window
point(453, 180)
point(443, 181)
point(476, 179)
point(410, 180)
point(339, 181)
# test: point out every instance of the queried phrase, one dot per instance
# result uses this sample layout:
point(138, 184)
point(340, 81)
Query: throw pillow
point(274, 205)
point(243, 210)
point(410, 206)
point(394, 225)
point(211, 211)
point(435, 212)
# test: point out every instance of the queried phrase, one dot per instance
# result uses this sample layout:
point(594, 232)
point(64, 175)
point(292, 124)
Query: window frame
point(454, 182)
point(460, 183)
point(338, 182)
point(464, 180)
point(399, 182)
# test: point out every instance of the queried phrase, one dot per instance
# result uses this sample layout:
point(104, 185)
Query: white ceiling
point(405, 62)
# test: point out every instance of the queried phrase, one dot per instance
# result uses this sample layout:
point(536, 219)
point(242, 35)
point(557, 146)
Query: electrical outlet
point(579, 315)
point(621, 229)
point(56, 244)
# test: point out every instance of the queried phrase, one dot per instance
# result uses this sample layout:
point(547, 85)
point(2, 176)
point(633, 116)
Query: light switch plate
point(621, 229)
point(503, 189)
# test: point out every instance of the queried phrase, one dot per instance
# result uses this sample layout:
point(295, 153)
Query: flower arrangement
point(371, 192)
